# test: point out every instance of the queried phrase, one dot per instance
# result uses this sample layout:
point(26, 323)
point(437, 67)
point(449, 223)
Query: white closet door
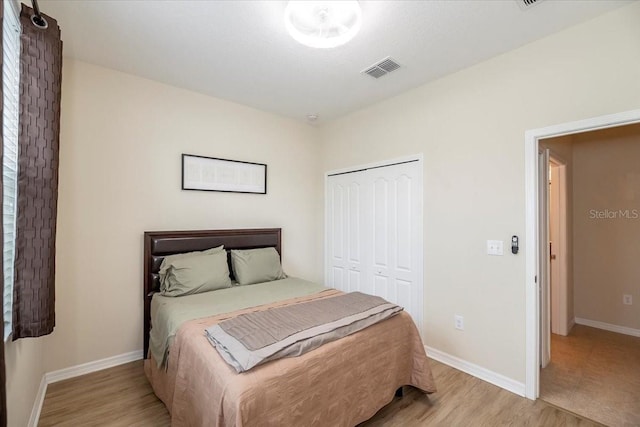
point(345, 232)
point(396, 236)
point(374, 234)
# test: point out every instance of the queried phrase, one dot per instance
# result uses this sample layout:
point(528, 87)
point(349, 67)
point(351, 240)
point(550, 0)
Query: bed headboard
point(158, 244)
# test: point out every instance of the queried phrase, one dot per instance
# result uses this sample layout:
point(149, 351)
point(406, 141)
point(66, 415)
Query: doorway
point(595, 368)
point(532, 219)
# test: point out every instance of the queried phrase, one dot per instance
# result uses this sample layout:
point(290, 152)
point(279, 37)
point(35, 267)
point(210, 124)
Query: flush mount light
point(323, 24)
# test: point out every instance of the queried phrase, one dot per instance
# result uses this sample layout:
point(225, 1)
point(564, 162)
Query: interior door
point(543, 257)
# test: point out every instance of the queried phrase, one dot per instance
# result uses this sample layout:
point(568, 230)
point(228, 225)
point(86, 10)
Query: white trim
point(532, 308)
point(608, 327)
point(37, 403)
point(572, 323)
point(531, 222)
point(484, 374)
point(76, 371)
point(96, 365)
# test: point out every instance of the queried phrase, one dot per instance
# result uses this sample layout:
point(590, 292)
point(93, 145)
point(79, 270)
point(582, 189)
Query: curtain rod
point(37, 18)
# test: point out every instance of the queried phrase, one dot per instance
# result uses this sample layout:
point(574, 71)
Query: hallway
point(596, 374)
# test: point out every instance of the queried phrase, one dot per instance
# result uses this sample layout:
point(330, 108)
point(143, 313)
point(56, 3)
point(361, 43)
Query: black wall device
point(514, 244)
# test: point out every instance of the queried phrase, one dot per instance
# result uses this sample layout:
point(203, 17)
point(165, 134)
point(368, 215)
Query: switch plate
point(627, 299)
point(495, 247)
point(458, 322)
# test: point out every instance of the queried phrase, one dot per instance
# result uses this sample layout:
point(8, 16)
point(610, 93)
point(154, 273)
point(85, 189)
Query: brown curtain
point(3, 375)
point(38, 140)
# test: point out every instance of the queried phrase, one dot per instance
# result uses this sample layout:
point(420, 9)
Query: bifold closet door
point(374, 234)
point(345, 200)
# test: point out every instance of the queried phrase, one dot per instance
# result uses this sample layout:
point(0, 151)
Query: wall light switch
point(627, 299)
point(495, 247)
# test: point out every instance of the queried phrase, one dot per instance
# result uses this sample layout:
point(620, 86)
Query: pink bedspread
point(341, 383)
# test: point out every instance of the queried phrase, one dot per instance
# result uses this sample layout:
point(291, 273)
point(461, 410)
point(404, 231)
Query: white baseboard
point(477, 371)
point(608, 327)
point(96, 365)
point(37, 403)
point(572, 323)
point(76, 371)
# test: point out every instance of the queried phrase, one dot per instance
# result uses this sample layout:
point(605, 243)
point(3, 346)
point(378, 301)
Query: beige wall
point(121, 141)
point(25, 366)
point(607, 178)
point(470, 127)
point(561, 149)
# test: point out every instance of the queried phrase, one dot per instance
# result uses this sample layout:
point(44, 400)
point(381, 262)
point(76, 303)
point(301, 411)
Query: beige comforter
point(341, 383)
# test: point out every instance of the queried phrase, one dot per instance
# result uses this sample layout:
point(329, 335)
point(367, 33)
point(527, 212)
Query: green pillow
point(196, 274)
point(256, 266)
point(166, 262)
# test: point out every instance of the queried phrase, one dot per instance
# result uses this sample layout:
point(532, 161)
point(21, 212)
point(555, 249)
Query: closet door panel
point(380, 224)
point(404, 292)
point(403, 223)
point(337, 267)
point(381, 286)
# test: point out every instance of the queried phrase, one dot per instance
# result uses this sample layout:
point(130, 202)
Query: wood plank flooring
point(595, 373)
point(121, 396)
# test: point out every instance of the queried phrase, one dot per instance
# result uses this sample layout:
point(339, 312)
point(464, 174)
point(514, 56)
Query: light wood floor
point(121, 396)
point(595, 373)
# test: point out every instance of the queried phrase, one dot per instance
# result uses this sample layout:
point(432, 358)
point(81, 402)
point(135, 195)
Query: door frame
point(544, 276)
point(532, 303)
point(419, 158)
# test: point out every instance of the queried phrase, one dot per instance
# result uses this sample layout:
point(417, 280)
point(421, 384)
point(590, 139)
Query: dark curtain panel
point(38, 140)
point(3, 375)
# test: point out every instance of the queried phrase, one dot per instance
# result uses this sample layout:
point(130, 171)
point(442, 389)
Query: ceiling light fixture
point(323, 24)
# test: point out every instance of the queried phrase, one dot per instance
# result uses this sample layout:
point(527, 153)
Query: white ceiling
point(240, 51)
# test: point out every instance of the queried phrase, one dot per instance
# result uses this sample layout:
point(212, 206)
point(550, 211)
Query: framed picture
point(230, 176)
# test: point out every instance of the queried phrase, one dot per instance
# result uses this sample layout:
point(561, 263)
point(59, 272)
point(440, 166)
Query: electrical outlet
point(495, 247)
point(458, 322)
point(627, 299)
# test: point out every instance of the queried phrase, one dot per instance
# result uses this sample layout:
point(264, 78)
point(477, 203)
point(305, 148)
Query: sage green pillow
point(256, 265)
point(166, 262)
point(196, 274)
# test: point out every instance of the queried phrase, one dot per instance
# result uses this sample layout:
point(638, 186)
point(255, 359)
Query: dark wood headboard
point(158, 244)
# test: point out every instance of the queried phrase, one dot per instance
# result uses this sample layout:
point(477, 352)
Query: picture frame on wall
point(202, 173)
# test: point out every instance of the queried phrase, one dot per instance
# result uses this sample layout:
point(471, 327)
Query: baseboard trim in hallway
point(608, 327)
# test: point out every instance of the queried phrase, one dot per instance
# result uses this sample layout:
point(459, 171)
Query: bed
point(341, 383)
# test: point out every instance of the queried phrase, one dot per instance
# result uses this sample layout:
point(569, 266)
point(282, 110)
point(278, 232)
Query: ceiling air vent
point(382, 68)
point(525, 4)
